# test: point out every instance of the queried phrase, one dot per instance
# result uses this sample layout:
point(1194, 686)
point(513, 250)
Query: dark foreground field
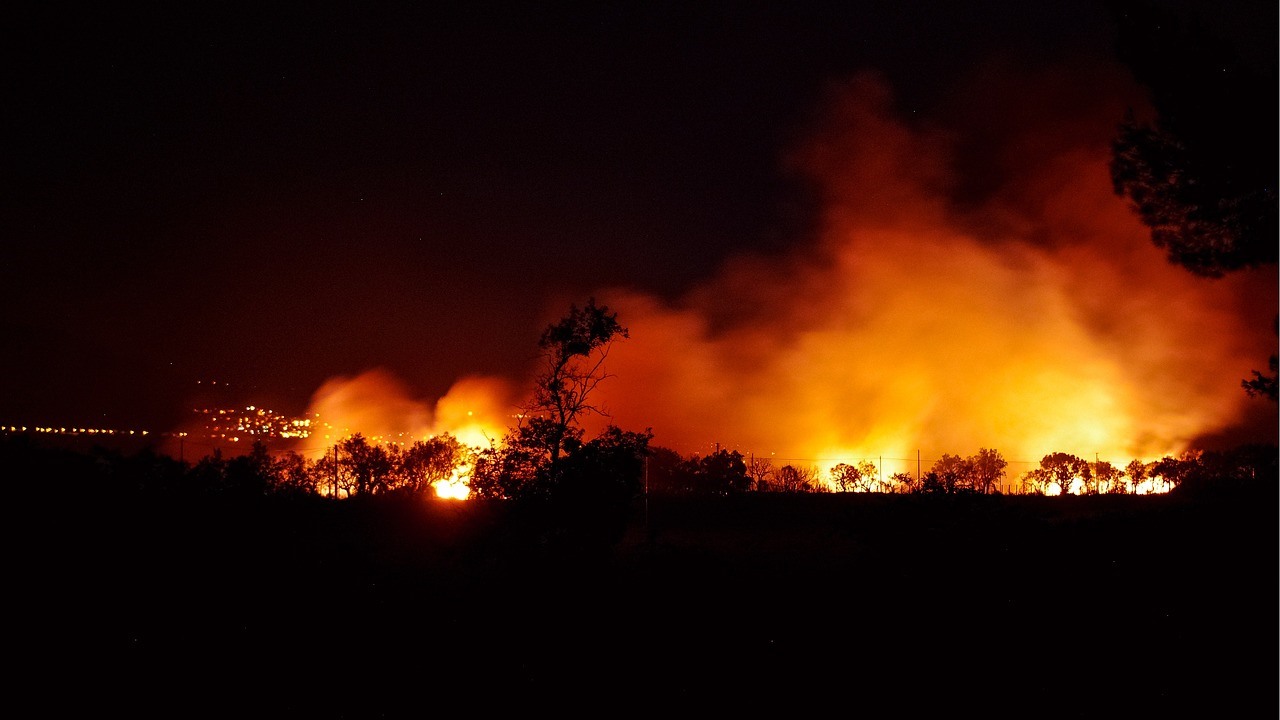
point(792, 606)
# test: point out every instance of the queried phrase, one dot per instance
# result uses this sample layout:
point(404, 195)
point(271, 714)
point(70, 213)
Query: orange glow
point(1036, 319)
point(1041, 320)
point(374, 403)
point(455, 488)
point(476, 411)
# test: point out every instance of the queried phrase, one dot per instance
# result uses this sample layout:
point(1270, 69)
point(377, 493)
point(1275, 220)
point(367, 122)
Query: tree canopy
point(1201, 174)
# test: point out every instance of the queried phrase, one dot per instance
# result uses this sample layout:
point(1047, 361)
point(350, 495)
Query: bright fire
point(1032, 315)
point(476, 411)
point(1040, 319)
point(455, 488)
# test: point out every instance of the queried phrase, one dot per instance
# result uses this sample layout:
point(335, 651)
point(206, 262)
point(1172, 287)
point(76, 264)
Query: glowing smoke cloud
point(1038, 320)
point(380, 406)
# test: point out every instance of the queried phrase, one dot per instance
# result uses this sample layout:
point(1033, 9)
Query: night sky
point(270, 195)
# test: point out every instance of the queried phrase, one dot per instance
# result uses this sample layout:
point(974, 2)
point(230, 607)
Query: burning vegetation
point(1024, 321)
point(1037, 318)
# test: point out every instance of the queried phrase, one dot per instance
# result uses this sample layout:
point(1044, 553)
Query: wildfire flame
point(1037, 318)
point(476, 411)
point(1037, 321)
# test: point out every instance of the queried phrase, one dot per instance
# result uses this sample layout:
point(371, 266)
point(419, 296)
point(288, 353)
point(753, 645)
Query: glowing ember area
point(1039, 320)
point(375, 404)
point(455, 488)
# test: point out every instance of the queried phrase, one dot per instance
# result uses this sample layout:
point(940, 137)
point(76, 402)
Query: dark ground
point(857, 605)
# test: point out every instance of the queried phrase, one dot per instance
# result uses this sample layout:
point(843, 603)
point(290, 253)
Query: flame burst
point(1039, 320)
point(375, 403)
point(1036, 319)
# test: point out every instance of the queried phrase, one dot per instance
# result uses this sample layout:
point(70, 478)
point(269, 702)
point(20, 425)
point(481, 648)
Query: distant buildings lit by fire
point(50, 430)
point(235, 425)
point(254, 423)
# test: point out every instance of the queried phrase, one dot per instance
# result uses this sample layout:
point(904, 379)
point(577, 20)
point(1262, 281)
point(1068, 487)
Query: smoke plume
point(974, 285)
point(1020, 307)
point(475, 410)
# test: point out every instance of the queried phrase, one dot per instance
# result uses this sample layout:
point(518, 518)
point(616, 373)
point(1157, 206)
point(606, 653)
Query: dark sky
point(273, 194)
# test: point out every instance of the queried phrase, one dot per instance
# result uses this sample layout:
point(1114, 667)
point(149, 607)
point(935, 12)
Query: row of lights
point(74, 430)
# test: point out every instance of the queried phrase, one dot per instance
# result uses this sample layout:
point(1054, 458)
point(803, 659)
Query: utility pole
point(917, 467)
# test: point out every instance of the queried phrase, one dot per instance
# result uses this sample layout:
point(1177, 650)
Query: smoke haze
point(971, 286)
point(1030, 315)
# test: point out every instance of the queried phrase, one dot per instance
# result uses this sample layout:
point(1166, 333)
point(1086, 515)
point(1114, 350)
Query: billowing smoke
point(377, 404)
point(958, 295)
point(1029, 315)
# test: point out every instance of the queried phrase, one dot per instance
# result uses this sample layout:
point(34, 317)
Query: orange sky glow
point(1038, 320)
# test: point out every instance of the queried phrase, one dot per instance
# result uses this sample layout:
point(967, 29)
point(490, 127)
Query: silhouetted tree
point(854, 478)
point(1061, 469)
point(426, 462)
point(209, 474)
point(988, 467)
point(335, 474)
point(573, 353)
point(976, 473)
point(792, 479)
point(903, 482)
point(370, 465)
point(931, 484)
point(515, 468)
point(760, 470)
point(1136, 472)
point(1172, 471)
point(722, 472)
point(293, 475)
point(664, 473)
point(1104, 478)
point(144, 472)
point(598, 482)
point(611, 463)
point(846, 477)
point(1263, 385)
point(544, 458)
point(251, 474)
point(1202, 175)
point(951, 473)
point(1248, 468)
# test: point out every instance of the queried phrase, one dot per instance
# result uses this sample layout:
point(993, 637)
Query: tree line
point(547, 459)
point(725, 472)
point(617, 466)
